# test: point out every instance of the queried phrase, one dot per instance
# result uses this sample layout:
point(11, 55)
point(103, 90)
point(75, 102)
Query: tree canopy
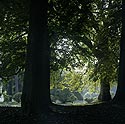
point(13, 36)
point(89, 32)
point(79, 32)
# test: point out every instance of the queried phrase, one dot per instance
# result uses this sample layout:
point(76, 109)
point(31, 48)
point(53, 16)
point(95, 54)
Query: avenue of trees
point(45, 40)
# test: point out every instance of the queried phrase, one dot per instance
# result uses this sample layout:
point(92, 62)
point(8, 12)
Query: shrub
point(7, 97)
point(78, 95)
point(63, 96)
point(17, 97)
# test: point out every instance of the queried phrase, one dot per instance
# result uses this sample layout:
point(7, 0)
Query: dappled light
point(85, 51)
point(62, 62)
point(75, 88)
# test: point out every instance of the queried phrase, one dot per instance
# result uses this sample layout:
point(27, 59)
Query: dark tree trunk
point(35, 95)
point(10, 90)
point(20, 81)
point(104, 91)
point(120, 93)
point(16, 80)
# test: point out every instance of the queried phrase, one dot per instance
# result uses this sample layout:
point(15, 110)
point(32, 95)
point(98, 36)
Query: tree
point(13, 40)
point(13, 36)
point(35, 95)
point(120, 94)
point(107, 46)
point(92, 36)
point(77, 34)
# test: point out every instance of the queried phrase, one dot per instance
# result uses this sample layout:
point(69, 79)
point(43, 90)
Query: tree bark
point(36, 93)
point(10, 90)
point(120, 93)
point(104, 91)
point(16, 80)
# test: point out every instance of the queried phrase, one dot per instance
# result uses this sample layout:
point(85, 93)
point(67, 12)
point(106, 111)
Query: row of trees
point(79, 32)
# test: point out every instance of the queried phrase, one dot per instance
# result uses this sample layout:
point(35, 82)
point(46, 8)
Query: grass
point(10, 104)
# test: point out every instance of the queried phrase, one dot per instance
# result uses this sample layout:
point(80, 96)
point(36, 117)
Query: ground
point(104, 113)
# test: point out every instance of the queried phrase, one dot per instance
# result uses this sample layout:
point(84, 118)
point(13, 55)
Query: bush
point(78, 95)
point(7, 98)
point(63, 96)
point(17, 97)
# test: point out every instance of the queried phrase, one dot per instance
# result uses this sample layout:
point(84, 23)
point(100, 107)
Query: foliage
point(7, 97)
point(74, 80)
point(55, 78)
point(63, 96)
point(107, 42)
point(66, 24)
point(13, 30)
point(80, 33)
point(91, 34)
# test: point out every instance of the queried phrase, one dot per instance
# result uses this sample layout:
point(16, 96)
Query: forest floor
point(104, 113)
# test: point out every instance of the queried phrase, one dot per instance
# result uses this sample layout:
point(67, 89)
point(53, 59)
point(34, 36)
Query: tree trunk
point(16, 80)
point(10, 90)
point(120, 93)
point(104, 90)
point(36, 93)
